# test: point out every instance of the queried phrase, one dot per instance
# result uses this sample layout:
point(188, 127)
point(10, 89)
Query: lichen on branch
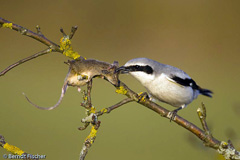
point(7, 25)
point(66, 47)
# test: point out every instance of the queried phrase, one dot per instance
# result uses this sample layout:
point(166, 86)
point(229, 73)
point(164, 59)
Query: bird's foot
point(142, 96)
point(171, 115)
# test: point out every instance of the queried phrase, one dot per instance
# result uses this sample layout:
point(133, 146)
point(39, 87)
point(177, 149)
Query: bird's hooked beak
point(122, 70)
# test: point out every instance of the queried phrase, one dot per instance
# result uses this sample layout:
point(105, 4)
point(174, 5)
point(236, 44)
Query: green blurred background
point(201, 37)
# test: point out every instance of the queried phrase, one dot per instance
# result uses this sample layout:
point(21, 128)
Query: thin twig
point(202, 114)
point(109, 109)
point(87, 104)
point(89, 89)
point(29, 33)
point(73, 30)
point(62, 31)
point(46, 51)
point(39, 30)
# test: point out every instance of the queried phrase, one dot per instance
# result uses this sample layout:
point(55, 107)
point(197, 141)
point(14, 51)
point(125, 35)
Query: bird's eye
point(137, 66)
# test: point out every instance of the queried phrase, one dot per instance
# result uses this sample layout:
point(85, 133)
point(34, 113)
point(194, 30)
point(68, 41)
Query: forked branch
point(24, 31)
point(64, 47)
point(91, 119)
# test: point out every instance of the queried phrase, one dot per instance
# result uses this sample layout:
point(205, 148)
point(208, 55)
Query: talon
point(171, 115)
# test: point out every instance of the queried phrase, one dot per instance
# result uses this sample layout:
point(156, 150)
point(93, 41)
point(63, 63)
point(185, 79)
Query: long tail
point(64, 89)
point(206, 92)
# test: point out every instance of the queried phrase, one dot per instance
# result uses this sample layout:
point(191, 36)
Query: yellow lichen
point(65, 43)
point(92, 135)
point(85, 98)
point(224, 143)
point(13, 149)
point(121, 90)
point(7, 25)
point(104, 110)
point(141, 97)
point(92, 110)
point(140, 93)
point(66, 47)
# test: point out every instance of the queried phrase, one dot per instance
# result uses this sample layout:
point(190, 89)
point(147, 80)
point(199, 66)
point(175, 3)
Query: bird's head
point(140, 68)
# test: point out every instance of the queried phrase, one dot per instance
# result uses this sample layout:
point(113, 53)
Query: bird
point(165, 83)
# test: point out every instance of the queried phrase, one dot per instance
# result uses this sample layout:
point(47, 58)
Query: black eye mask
point(135, 68)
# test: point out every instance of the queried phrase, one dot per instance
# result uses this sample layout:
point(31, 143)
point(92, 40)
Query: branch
point(89, 89)
point(91, 137)
point(109, 109)
point(20, 154)
point(46, 51)
point(87, 103)
point(224, 148)
point(202, 114)
point(24, 31)
point(64, 48)
point(90, 119)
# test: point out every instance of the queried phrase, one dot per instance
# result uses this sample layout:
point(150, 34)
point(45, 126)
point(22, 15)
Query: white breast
point(165, 90)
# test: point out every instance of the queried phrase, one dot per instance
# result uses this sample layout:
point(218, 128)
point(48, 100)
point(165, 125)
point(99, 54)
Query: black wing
point(191, 83)
point(186, 82)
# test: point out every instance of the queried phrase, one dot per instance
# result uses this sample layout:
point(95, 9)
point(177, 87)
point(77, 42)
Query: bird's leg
point(142, 96)
point(172, 114)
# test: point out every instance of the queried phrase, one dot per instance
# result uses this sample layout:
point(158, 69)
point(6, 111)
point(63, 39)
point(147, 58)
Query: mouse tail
point(64, 89)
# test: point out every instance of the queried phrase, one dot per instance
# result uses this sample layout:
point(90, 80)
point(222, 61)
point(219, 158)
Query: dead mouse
point(84, 70)
point(80, 72)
